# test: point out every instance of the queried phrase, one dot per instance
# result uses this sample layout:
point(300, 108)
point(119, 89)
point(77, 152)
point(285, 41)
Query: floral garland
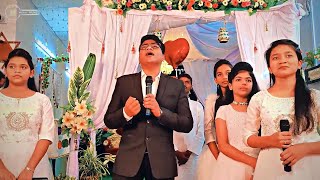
point(45, 68)
point(251, 6)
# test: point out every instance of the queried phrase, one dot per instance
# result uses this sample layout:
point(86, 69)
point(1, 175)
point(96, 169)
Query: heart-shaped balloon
point(176, 51)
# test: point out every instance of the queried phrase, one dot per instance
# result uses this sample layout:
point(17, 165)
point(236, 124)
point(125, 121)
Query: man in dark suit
point(146, 149)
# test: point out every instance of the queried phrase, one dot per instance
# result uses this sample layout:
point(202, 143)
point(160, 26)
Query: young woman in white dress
point(26, 122)
point(236, 160)
point(288, 98)
point(209, 154)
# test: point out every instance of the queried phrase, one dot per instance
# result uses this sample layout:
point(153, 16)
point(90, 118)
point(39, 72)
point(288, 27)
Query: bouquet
point(78, 116)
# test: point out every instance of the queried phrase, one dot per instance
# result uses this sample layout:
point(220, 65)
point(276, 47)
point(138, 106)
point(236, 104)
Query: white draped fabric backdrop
point(90, 27)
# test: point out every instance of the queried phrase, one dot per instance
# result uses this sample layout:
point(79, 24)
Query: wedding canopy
point(112, 38)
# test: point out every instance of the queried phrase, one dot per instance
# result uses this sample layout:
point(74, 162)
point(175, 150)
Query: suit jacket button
point(148, 121)
point(147, 138)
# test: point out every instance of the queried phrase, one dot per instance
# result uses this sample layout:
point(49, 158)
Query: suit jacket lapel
point(162, 86)
point(138, 87)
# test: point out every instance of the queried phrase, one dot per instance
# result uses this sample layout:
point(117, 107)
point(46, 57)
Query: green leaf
point(227, 11)
point(60, 121)
point(83, 87)
point(89, 66)
point(65, 143)
point(85, 96)
point(106, 135)
point(71, 97)
point(99, 3)
point(78, 77)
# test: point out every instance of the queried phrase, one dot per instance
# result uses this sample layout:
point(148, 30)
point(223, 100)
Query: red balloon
point(176, 51)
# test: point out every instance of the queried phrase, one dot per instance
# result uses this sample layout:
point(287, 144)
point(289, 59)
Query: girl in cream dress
point(26, 122)
point(288, 98)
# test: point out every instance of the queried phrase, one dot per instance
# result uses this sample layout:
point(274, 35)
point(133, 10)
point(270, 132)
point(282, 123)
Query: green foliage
point(90, 165)
point(89, 66)
point(83, 87)
point(311, 56)
point(102, 134)
point(78, 77)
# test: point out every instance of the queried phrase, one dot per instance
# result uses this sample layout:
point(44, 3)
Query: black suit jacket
point(152, 135)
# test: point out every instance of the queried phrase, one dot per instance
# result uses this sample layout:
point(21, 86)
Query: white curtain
point(256, 32)
point(89, 28)
point(201, 72)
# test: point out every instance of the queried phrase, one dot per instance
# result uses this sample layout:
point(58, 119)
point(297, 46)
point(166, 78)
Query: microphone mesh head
point(284, 125)
point(149, 79)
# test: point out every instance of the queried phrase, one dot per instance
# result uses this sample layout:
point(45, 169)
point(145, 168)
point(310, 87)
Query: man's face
point(150, 53)
point(187, 84)
point(2, 82)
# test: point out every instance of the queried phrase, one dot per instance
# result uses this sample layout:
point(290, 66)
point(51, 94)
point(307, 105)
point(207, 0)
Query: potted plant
point(90, 165)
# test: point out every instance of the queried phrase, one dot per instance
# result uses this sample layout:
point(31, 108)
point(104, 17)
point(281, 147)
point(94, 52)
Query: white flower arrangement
point(165, 67)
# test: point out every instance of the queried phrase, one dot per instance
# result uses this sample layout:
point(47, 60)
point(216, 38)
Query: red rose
point(234, 3)
point(153, 7)
point(129, 4)
point(120, 11)
point(265, 5)
point(215, 5)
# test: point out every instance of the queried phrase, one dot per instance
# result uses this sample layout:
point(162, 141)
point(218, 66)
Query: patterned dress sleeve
point(209, 130)
point(253, 121)
point(316, 101)
point(47, 125)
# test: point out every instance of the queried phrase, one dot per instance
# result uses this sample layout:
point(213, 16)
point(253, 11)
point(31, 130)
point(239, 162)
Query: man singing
point(146, 149)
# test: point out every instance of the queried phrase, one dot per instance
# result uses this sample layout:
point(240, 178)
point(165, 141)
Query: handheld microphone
point(285, 126)
point(149, 82)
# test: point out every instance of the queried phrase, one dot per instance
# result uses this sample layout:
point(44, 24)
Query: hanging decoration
point(102, 48)
point(223, 35)
point(5, 47)
point(133, 49)
point(45, 69)
point(157, 32)
point(69, 47)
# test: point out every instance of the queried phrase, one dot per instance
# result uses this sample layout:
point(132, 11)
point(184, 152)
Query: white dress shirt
point(155, 85)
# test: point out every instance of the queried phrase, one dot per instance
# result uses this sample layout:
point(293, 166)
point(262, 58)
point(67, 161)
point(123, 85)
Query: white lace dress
point(227, 168)
point(267, 110)
point(23, 122)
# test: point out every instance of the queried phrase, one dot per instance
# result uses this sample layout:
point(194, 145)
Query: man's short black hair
point(155, 38)
point(2, 75)
point(186, 76)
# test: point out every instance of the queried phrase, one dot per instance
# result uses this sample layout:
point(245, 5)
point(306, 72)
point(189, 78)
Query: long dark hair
point(221, 100)
point(302, 95)
point(242, 66)
point(24, 54)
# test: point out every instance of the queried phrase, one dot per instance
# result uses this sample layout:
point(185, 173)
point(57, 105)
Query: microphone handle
point(148, 112)
point(148, 91)
point(286, 167)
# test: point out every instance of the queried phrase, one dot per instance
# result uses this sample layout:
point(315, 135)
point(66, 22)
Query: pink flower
point(169, 8)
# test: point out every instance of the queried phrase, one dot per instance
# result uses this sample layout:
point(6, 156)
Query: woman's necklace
point(240, 103)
